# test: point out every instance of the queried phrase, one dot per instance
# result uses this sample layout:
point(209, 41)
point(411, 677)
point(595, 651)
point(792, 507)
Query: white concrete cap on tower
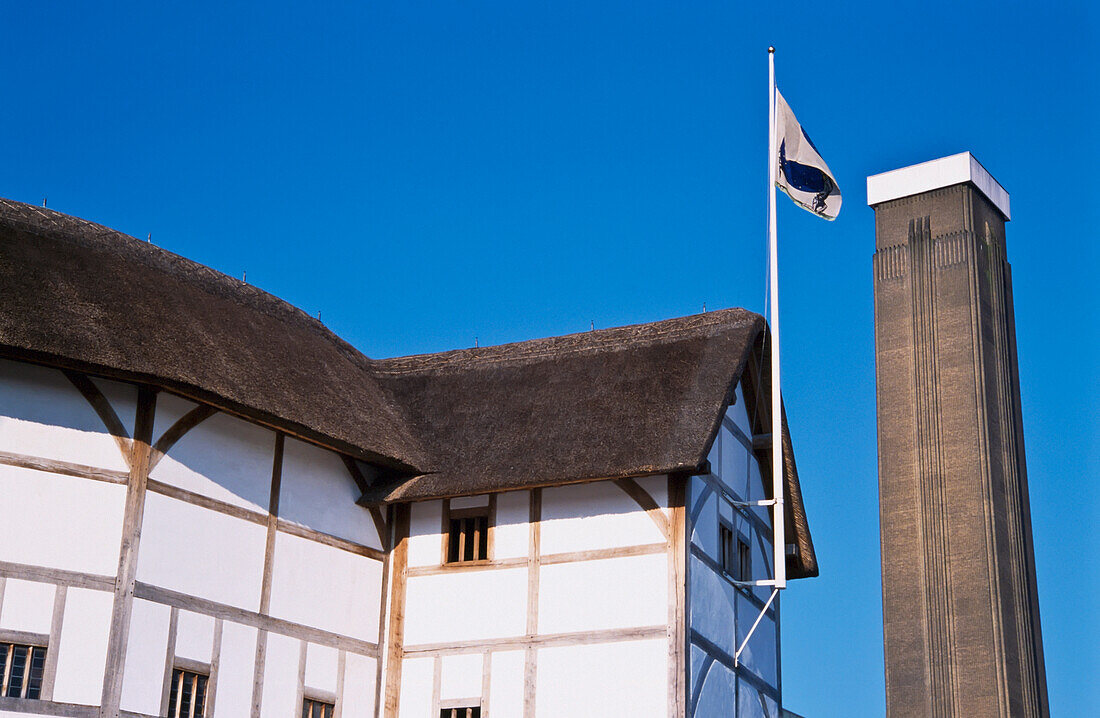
point(935, 174)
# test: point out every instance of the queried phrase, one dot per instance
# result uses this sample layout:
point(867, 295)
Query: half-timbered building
point(210, 505)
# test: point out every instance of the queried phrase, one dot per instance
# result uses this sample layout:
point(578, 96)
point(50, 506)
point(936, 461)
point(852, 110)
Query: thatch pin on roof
point(592, 322)
point(149, 237)
point(476, 345)
point(704, 307)
point(43, 201)
point(244, 278)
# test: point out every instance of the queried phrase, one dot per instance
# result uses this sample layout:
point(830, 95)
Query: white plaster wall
point(43, 414)
point(734, 466)
point(84, 520)
point(82, 651)
point(195, 636)
point(326, 587)
point(704, 529)
point(460, 676)
point(712, 606)
point(657, 487)
point(590, 516)
point(28, 606)
point(122, 398)
point(718, 694)
point(470, 502)
point(760, 653)
point(146, 653)
point(608, 593)
point(751, 704)
point(223, 457)
point(184, 548)
point(318, 492)
point(359, 686)
point(321, 663)
point(280, 689)
point(493, 605)
point(236, 667)
point(512, 532)
point(425, 539)
point(576, 681)
point(417, 679)
point(739, 412)
point(506, 684)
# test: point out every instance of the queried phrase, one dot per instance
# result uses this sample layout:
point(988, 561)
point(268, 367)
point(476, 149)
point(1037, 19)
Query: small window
point(468, 712)
point(313, 708)
point(23, 667)
point(744, 561)
point(725, 548)
point(188, 696)
point(468, 537)
point(735, 555)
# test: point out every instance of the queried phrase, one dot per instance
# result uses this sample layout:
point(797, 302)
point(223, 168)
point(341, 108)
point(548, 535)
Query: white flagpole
point(779, 544)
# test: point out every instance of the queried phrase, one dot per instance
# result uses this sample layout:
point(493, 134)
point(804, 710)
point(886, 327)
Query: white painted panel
point(593, 516)
point(359, 685)
point(470, 502)
point(321, 667)
point(511, 534)
point(576, 680)
point(492, 604)
point(657, 487)
point(184, 548)
point(170, 409)
point(760, 653)
point(146, 652)
point(704, 529)
point(461, 676)
point(82, 652)
point(122, 398)
point(195, 636)
point(28, 606)
point(718, 694)
point(43, 414)
point(326, 587)
point(609, 593)
point(236, 669)
point(425, 539)
point(417, 679)
point(84, 519)
point(506, 684)
point(711, 609)
point(281, 677)
point(318, 492)
point(733, 469)
point(739, 412)
point(224, 457)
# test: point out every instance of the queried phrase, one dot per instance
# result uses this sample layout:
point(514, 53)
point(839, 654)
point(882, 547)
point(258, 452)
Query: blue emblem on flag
point(806, 178)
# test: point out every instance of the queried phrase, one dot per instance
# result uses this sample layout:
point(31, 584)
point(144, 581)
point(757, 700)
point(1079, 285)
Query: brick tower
point(960, 607)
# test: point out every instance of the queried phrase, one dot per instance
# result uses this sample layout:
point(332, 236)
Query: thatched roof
point(625, 402)
point(85, 296)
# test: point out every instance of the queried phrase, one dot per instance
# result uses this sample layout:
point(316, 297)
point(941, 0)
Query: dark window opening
point(744, 561)
point(188, 696)
point(313, 708)
point(23, 667)
point(468, 712)
point(468, 539)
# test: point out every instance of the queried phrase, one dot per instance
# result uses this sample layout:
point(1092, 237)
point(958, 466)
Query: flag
point(803, 175)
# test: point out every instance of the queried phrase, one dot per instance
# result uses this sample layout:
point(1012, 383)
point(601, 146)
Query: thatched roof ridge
point(79, 294)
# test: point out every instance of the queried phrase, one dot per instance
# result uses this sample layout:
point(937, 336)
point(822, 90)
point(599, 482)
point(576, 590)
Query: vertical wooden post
point(128, 554)
point(677, 596)
point(395, 651)
point(534, 562)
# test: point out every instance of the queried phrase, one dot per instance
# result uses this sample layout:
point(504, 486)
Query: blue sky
point(424, 174)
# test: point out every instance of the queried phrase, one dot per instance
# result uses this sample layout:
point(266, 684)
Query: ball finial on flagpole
point(771, 49)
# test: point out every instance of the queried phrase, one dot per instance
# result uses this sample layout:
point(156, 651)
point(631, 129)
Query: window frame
point(449, 514)
point(33, 643)
point(319, 698)
point(195, 668)
point(447, 708)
